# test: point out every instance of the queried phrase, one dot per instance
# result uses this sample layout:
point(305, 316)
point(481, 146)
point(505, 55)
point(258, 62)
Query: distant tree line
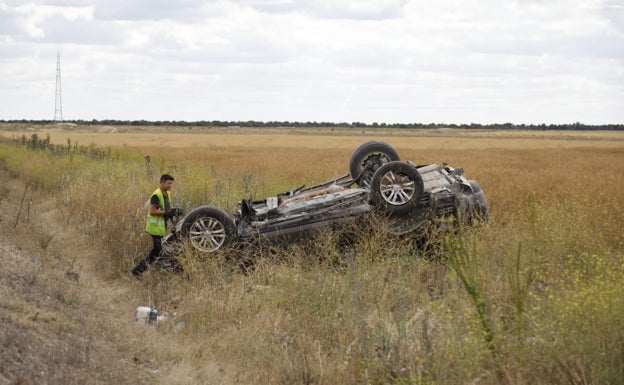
point(254, 123)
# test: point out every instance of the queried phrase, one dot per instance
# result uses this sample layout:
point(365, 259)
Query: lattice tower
point(58, 100)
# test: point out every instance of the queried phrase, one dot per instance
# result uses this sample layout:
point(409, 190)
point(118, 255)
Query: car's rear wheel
point(397, 188)
point(208, 228)
point(367, 158)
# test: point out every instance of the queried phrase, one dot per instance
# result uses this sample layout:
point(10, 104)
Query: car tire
point(397, 188)
point(208, 228)
point(367, 158)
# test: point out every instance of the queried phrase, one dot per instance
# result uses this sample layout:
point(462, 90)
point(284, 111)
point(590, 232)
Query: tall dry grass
point(532, 297)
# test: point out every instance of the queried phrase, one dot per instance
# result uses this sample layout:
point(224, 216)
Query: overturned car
point(402, 197)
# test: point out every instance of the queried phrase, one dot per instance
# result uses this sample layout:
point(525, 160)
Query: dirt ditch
point(59, 322)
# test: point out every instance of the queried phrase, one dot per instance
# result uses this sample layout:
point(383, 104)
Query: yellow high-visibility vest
point(156, 224)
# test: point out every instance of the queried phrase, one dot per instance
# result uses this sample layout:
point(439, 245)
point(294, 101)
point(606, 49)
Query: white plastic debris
point(145, 315)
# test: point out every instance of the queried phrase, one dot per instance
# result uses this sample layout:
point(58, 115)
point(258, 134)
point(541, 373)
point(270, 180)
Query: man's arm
point(155, 208)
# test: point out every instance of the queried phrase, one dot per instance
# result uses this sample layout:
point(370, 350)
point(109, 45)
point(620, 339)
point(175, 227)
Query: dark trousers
point(151, 257)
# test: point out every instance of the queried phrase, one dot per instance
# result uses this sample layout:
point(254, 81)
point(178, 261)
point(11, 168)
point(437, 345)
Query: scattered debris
point(145, 315)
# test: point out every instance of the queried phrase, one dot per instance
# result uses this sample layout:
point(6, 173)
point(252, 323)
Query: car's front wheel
point(208, 228)
point(367, 158)
point(397, 188)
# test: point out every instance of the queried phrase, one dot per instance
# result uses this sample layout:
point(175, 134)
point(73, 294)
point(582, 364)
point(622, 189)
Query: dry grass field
point(331, 138)
point(532, 297)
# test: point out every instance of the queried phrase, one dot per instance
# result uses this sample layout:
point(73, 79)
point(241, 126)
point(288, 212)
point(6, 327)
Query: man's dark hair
point(165, 177)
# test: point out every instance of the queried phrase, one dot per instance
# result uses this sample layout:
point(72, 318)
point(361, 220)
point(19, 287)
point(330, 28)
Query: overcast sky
point(385, 61)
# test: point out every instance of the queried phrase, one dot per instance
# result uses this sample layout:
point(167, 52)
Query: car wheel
point(397, 188)
point(367, 158)
point(208, 228)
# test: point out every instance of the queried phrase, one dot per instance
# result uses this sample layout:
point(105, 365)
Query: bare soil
point(59, 322)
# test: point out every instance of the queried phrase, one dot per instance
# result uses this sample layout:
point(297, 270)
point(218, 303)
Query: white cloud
point(386, 61)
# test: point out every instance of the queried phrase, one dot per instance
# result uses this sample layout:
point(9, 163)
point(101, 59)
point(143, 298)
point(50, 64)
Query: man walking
point(156, 226)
